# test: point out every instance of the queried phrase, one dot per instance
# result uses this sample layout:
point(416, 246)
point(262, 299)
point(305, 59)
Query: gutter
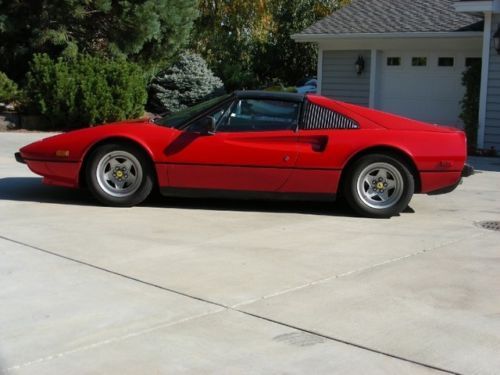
point(477, 6)
point(319, 37)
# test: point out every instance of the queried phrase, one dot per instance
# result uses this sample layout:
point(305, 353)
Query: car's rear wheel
point(379, 185)
point(119, 175)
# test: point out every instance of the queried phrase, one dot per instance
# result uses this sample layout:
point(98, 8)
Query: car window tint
point(217, 114)
point(183, 116)
point(248, 115)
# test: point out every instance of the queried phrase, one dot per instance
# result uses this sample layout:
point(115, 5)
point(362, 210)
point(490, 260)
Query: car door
point(321, 138)
point(254, 148)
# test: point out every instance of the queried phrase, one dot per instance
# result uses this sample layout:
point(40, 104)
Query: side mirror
point(207, 125)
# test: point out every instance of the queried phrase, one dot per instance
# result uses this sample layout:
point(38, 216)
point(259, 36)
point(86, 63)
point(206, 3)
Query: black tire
point(379, 186)
point(119, 175)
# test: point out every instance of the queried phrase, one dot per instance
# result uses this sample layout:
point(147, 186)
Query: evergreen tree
point(471, 79)
point(145, 31)
point(188, 82)
point(84, 90)
point(8, 89)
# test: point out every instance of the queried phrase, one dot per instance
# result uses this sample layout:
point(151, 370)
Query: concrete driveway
point(231, 287)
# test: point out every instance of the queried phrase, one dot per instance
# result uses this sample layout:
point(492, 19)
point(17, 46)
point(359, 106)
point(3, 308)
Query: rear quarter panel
point(438, 154)
point(432, 148)
point(429, 151)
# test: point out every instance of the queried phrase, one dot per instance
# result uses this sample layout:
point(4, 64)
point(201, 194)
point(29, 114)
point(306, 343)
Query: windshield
point(179, 118)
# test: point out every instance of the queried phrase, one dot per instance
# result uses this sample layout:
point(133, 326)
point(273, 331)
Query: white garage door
point(423, 86)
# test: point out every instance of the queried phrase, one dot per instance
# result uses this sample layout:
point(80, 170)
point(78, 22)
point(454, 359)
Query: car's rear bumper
point(468, 170)
point(447, 189)
point(19, 158)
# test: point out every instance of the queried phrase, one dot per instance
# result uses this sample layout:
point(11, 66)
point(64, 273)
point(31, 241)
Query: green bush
point(85, 90)
point(188, 82)
point(8, 89)
point(471, 79)
point(281, 88)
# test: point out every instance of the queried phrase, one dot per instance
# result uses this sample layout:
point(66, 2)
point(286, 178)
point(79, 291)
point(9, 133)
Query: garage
point(407, 57)
point(423, 85)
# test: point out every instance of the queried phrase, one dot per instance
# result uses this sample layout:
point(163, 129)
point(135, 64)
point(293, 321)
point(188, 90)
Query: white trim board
point(483, 96)
point(319, 73)
point(474, 6)
point(374, 62)
point(319, 37)
point(461, 44)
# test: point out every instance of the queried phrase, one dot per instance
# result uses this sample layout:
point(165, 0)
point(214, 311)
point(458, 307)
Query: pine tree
point(146, 31)
point(188, 82)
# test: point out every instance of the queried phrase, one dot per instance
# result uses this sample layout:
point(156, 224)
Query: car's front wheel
point(379, 185)
point(119, 175)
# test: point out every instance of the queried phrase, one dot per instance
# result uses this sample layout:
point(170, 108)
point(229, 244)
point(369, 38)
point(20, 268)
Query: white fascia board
point(373, 78)
point(319, 73)
point(316, 38)
point(483, 95)
point(474, 6)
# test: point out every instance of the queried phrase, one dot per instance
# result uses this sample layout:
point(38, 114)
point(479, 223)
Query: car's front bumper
point(19, 158)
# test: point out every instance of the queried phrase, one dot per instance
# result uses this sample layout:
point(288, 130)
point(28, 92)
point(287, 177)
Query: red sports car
point(259, 144)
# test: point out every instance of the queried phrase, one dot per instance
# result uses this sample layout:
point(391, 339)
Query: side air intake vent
point(317, 117)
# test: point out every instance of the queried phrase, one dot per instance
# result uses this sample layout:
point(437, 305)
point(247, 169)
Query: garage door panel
point(429, 93)
point(424, 110)
point(439, 88)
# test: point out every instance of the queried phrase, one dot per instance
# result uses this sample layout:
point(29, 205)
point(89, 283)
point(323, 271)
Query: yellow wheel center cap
point(119, 174)
point(380, 185)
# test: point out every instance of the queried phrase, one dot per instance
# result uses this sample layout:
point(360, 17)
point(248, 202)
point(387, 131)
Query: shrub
point(8, 89)
point(85, 90)
point(281, 88)
point(188, 82)
point(471, 79)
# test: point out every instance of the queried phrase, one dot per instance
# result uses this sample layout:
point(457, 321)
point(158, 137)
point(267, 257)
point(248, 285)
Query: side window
point(469, 61)
point(317, 117)
point(446, 61)
point(248, 115)
point(217, 114)
point(394, 61)
point(419, 61)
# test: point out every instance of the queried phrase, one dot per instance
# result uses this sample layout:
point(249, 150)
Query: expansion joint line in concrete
point(354, 272)
point(223, 308)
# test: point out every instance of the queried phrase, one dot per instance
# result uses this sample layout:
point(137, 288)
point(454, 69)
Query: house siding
point(492, 123)
point(340, 80)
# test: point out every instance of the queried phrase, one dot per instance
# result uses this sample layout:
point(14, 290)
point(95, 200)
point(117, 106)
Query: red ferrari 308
point(262, 145)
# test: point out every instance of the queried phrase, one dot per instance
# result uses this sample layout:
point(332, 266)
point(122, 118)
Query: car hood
point(76, 143)
point(395, 122)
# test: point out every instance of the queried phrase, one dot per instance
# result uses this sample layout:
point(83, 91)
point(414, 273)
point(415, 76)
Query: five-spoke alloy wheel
point(119, 175)
point(379, 185)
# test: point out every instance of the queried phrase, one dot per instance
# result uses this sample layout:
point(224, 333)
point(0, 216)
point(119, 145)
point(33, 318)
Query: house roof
point(396, 16)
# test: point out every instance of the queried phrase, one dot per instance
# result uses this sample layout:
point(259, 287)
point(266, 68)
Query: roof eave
point(476, 6)
point(312, 38)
